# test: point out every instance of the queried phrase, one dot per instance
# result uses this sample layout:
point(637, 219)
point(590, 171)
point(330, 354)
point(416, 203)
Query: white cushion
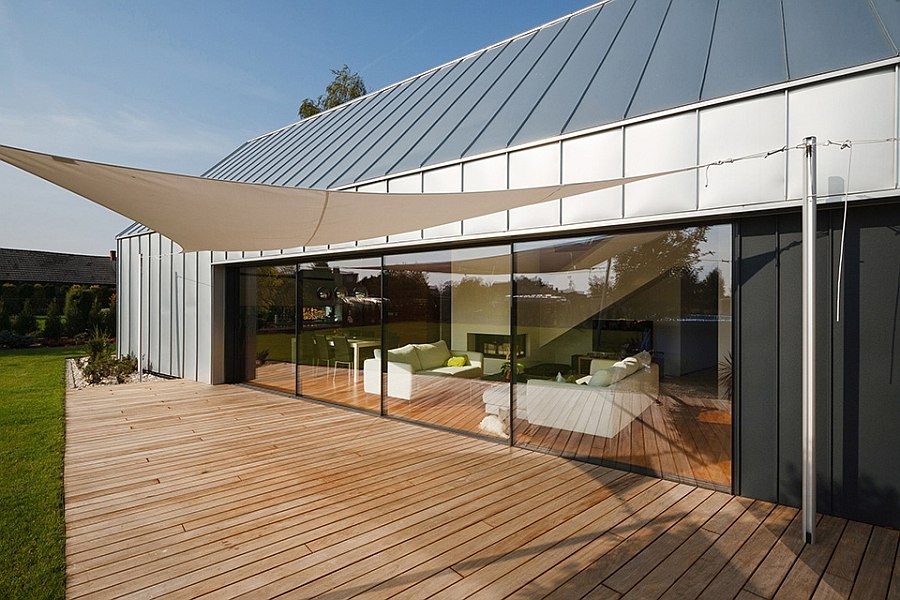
point(623, 368)
point(602, 378)
point(406, 355)
point(432, 356)
point(644, 358)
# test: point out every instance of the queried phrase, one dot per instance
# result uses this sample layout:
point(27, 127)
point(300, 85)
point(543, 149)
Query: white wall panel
point(661, 145)
point(446, 179)
point(178, 309)
point(740, 129)
point(481, 175)
point(190, 316)
point(592, 158)
point(166, 297)
point(146, 293)
point(532, 168)
point(123, 301)
point(152, 265)
point(409, 184)
point(855, 108)
point(204, 317)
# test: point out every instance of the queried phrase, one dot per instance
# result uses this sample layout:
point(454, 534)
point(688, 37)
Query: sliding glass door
point(447, 338)
point(266, 326)
point(628, 356)
point(340, 330)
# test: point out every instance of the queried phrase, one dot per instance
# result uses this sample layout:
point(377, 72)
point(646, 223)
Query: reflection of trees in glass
point(411, 298)
point(275, 297)
point(634, 283)
point(675, 254)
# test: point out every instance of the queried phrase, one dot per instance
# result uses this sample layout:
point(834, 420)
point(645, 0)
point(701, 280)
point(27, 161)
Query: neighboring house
point(56, 271)
point(695, 275)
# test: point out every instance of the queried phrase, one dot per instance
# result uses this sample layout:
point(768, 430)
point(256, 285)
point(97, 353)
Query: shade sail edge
point(199, 213)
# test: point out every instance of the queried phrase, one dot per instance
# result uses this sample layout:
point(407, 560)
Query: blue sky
point(175, 85)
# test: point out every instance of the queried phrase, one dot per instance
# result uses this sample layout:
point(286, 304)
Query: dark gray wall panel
point(858, 363)
point(867, 369)
point(790, 359)
point(757, 384)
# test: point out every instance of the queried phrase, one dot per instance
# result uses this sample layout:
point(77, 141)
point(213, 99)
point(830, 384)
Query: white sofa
point(408, 362)
point(598, 409)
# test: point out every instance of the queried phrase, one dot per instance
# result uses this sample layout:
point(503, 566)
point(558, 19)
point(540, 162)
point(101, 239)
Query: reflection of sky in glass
point(488, 265)
point(715, 252)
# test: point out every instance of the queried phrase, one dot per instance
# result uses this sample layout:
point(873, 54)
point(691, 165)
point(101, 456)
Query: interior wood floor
point(685, 436)
point(177, 489)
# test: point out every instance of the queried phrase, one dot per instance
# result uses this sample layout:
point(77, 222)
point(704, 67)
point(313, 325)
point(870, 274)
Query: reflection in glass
point(629, 345)
point(445, 311)
point(339, 331)
point(267, 326)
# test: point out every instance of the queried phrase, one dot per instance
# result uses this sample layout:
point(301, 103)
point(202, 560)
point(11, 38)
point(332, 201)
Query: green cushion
point(432, 356)
point(456, 361)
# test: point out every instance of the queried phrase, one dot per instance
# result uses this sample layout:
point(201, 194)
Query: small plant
point(726, 376)
point(261, 357)
point(102, 363)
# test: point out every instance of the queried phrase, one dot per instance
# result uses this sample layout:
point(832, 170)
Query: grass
point(32, 442)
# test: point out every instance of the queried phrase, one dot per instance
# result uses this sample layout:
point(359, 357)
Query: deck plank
point(182, 490)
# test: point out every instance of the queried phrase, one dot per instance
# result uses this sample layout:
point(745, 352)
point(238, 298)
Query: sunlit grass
point(32, 442)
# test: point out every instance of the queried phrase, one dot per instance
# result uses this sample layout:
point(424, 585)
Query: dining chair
point(342, 354)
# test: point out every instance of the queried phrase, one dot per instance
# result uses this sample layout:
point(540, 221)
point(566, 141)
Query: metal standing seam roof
point(611, 61)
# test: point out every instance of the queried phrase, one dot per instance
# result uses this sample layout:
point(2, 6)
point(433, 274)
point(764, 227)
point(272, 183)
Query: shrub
point(102, 363)
point(94, 314)
point(26, 322)
point(77, 309)
point(9, 293)
point(39, 298)
point(8, 339)
point(53, 327)
point(108, 316)
point(4, 317)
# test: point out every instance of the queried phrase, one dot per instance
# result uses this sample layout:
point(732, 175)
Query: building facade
point(653, 327)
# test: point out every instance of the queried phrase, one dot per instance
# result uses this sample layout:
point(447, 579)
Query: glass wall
point(266, 327)
point(628, 356)
point(620, 351)
point(340, 329)
point(447, 338)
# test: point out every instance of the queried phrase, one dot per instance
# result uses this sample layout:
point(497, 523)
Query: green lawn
point(32, 440)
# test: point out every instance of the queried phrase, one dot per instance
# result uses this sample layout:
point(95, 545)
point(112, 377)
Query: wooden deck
point(182, 490)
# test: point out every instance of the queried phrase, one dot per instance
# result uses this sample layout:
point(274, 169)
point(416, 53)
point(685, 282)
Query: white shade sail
point(210, 214)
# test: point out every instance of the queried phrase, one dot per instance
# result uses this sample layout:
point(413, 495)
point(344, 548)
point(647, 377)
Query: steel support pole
point(140, 315)
point(809, 340)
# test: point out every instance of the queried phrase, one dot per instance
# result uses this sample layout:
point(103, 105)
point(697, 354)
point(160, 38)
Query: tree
point(4, 317)
point(344, 87)
point(26, 322)
point(53, 327)
point(77, 309)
